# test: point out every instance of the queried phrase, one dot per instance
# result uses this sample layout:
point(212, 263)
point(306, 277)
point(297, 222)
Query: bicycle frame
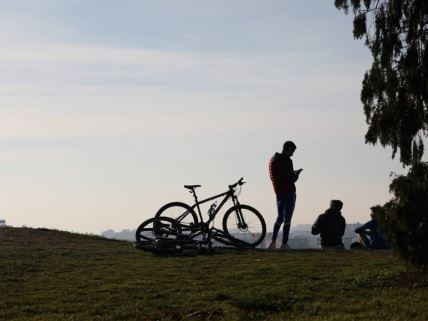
point(203, 227)
point(227, 195)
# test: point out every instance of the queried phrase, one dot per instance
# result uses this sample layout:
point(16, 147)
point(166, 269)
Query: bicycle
point(178, 224)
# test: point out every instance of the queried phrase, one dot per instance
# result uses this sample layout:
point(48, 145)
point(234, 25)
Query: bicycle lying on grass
point(177, 227)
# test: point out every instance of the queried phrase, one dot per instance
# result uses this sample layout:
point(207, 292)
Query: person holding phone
point(283, 177)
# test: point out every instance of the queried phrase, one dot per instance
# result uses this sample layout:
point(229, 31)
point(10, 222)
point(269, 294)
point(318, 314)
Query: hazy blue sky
point(107, 108)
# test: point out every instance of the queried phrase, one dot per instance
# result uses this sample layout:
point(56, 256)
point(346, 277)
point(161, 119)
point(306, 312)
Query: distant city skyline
point(300, 236)
point(108, 108)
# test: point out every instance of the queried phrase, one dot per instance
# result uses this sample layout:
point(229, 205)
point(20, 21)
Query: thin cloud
point(124, 66)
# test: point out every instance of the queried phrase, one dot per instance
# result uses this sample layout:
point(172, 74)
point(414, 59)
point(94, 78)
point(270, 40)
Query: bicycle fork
point(241, 222)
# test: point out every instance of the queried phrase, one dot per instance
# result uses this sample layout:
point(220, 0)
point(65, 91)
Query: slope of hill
point(53, 275)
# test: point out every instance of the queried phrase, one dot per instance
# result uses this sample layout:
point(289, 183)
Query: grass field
point(53, 275)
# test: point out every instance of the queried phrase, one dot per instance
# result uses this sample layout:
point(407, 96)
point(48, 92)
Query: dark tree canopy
point(395, 89)
point(404, 219)
point(395, 98)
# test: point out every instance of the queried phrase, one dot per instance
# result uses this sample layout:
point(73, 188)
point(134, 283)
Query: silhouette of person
point(331, 225)
point(283, 177)
point(370, 235)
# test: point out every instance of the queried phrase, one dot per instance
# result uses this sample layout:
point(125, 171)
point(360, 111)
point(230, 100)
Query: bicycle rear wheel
point(181, 212)
point(245, 223)
point(157, 228)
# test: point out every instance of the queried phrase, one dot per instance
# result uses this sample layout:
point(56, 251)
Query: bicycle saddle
point(191, 186)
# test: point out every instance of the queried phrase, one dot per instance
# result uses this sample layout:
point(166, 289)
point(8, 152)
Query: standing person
point(283, 177)
point(331, 225)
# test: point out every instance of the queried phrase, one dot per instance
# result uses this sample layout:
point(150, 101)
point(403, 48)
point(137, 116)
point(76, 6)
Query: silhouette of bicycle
point(178, 225)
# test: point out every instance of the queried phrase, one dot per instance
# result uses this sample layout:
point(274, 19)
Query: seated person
point(331, 225)
point(369, 234)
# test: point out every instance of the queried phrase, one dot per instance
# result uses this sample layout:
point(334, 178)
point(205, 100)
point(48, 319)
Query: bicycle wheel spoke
point(245, 224)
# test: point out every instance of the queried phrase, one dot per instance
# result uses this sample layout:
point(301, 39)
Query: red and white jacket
point(282, 174)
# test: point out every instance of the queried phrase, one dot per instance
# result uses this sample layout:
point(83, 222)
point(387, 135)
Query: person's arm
point(316, 227)
point(362, 228)
point(296, 174)
point(290, 173)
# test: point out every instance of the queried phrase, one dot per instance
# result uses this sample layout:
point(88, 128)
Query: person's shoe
point(285, 246)
point(272, 245)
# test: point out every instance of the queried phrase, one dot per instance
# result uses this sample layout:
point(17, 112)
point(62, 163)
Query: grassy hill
point(53, 275)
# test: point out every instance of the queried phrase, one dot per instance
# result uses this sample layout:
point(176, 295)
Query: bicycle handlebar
point(240, 182)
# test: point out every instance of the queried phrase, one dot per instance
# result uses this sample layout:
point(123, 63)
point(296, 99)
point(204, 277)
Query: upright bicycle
point(183, 225)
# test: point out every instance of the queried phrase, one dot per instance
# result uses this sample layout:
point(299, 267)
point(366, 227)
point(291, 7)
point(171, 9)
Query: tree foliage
point(404, 219)
point(395, 89)
point(395, 96)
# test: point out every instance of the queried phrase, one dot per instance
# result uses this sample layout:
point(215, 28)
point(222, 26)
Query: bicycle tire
point(149, 230)
point(176, 209)
point(253, 233)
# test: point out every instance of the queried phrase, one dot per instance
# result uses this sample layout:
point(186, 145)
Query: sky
point(107, 108)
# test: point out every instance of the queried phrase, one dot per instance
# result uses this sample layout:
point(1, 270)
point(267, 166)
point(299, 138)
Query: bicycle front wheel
point(245, 223)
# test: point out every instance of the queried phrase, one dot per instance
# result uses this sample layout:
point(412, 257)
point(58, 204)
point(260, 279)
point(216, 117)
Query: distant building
point(298, 243)
point(124, 235)
point(3, 223)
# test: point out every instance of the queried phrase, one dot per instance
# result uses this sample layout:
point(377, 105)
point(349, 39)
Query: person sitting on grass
point(369, 234)
point(331, 225)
